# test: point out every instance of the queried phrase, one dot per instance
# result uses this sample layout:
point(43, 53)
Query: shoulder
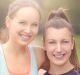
point(76, 72)
point(38, 50)
point(42, 72)
point(72, 72)
point(40, 55)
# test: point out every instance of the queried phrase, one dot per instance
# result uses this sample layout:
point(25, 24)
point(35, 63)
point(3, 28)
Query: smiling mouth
point(26, 38)
point(59, 56)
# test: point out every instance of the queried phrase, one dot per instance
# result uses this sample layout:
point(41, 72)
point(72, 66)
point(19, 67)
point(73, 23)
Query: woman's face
point(58, 44)
point(23, 27)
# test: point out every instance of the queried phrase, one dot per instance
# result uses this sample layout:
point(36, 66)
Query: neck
point(14, 48)
point(57, 70)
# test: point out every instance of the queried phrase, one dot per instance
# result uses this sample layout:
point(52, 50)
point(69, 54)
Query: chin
point(58, 63)
point(23, 43)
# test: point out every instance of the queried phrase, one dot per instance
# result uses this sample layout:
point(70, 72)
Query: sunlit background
point(73, 10)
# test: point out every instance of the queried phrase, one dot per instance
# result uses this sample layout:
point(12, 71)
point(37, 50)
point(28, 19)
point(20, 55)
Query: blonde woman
point(17, 57)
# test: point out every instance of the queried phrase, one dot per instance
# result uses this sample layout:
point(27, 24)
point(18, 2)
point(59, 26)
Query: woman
point(59, 45)
point(17, 57)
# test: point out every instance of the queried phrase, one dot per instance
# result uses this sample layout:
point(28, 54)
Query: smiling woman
point(59, 44)
point(17, 57)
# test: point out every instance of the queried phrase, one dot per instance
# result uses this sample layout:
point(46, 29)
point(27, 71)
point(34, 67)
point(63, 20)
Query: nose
point(59, 48)
point(28, 29)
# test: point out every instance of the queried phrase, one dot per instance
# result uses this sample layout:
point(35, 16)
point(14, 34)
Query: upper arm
point(40, 56)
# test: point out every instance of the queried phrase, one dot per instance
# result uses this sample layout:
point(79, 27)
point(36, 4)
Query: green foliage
point(78, 45)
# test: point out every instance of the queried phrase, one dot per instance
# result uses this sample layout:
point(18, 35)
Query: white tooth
point(25, 37)
point(59, 56)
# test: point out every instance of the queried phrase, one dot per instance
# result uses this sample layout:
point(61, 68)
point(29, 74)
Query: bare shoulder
point(40, 55)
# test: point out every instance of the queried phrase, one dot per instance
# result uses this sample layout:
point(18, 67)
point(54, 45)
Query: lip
point(25, 37)
point(59, 56)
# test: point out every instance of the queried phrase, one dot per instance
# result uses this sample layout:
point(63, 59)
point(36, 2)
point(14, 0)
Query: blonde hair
point(17, 4)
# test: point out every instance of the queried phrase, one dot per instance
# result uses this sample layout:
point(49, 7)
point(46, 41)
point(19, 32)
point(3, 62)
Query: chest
point(18, 64)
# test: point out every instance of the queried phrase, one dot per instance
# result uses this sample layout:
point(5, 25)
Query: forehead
point(27, 12)
point(53, 33)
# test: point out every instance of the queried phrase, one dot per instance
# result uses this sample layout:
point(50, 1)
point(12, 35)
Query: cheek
point(68, 51)
point(49, 55)
point(47, 47)
point(13, 29)
point(35, 30)
point(49, 50)
point(34, 33)
point(68, 55)
point(70, 48)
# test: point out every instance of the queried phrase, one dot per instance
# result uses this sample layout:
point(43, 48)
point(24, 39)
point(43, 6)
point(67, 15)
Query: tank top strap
point(3, 68)
point(34, 68)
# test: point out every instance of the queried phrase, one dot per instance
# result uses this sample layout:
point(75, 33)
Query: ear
point(7, 21)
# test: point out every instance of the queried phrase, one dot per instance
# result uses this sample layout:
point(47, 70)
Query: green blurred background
point(73, 10)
